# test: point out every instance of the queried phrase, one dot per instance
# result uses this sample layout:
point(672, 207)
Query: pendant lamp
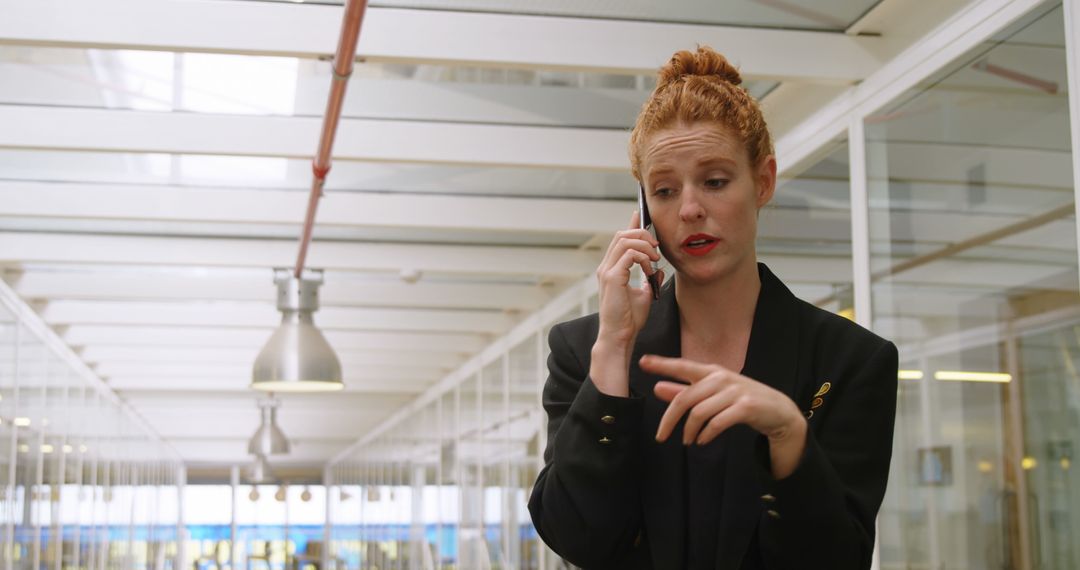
point(268, 439)
point(259, 472)
point(297, 357)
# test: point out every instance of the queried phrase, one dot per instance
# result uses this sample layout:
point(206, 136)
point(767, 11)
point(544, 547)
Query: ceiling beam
point(85, 129)
point(339, 290)
point(255, 338)
point(344, 209)
point(431, 36)
point(238, 314)
point(200, 252)
point(374, 98)
point(245, 356)
point(207, 379)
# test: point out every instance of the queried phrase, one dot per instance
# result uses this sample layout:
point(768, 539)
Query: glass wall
point(447, 485)
point(804, 234)
point(82, 483)
point(974, 276)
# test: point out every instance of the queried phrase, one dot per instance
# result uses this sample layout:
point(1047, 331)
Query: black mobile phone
point(645, 222)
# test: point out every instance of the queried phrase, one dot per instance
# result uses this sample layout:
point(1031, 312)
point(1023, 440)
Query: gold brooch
point(818, 399)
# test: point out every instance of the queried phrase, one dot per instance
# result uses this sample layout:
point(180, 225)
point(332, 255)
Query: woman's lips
point(699, 244)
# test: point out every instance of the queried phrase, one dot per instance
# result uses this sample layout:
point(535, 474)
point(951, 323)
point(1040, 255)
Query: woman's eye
point(663, 192)
point(716, 183)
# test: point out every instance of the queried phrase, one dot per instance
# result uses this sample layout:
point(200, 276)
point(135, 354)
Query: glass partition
point(804, 234)
point(974, 272)
point(449, 487)
point(80, 476)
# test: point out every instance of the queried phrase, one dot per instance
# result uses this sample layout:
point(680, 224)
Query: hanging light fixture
point(259, 472)
point(268, 439)
point(297, 357)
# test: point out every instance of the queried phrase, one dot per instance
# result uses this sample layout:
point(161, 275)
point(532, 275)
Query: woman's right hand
point(624, 308)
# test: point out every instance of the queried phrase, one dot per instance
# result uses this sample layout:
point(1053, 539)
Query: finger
point(667, 391)
point(720, 423)
point(635, 220)
point(703, 412)
point(680, 404)
point(680, 368)
point(620, 272)
point(622, 241)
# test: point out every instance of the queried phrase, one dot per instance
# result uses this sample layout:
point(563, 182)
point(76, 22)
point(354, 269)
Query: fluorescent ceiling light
point(911, 375)
point(960, 376)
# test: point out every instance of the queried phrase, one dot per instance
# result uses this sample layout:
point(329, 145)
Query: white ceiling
point(154, 166)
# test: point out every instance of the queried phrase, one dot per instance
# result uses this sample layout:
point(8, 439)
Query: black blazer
point(610, 496)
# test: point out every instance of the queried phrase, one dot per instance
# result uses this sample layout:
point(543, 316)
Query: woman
point(771, 447)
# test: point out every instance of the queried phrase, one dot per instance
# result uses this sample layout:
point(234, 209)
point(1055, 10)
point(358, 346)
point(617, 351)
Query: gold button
point(817, 403)
point(809, 414)
point(768, 498)
point(605, 440)
point(773, 514)
point(608, 419)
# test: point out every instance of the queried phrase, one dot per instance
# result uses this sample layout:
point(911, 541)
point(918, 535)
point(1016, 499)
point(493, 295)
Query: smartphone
point(645, 222)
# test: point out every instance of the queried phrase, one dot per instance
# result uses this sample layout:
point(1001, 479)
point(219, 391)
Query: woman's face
point(704, 195)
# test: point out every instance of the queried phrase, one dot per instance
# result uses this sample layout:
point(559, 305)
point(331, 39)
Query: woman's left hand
point(717, 398)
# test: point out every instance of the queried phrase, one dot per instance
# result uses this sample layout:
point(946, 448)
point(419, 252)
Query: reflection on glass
point(974, 270)
point(804, 234)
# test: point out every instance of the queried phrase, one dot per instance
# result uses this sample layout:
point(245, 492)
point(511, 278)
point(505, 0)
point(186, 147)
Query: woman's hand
point(717, 398)
point(623, 309)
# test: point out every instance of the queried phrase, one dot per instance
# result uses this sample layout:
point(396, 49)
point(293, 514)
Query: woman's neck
point(721, 312)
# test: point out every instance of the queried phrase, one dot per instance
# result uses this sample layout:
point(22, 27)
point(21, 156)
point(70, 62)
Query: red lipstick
point(699, 244)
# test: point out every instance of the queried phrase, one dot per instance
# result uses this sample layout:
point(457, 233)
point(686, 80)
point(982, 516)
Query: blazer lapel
point(771, 358)
point(663, 498)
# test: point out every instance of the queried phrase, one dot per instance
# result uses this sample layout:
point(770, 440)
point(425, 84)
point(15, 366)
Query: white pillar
point(234, 483)
point(1072, 64)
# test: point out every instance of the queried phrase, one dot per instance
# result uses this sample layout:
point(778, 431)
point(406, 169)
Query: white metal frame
point(1072, 63)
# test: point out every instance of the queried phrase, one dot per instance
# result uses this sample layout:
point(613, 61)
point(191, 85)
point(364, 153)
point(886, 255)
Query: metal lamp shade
point(297, 357)
point(268, 439)
point(259, 472)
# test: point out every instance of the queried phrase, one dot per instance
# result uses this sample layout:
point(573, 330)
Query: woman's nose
point(690, 209)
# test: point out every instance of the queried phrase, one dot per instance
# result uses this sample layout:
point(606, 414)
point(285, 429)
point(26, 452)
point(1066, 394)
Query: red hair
point(696, 87)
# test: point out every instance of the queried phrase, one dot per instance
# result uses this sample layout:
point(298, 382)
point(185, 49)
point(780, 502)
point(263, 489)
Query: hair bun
point(705, 62)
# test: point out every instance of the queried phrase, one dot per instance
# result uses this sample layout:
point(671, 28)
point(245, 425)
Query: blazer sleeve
point(585, 503)
point(825, 510)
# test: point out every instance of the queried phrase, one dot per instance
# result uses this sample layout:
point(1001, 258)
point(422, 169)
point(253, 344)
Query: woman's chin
point(704, 271)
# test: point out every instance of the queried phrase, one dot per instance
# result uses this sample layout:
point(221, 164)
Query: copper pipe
point(320, 166)
point(1016, 76)
point(970, 243)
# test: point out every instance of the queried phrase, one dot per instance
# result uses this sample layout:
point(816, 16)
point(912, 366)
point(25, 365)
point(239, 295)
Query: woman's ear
point(766, 181)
